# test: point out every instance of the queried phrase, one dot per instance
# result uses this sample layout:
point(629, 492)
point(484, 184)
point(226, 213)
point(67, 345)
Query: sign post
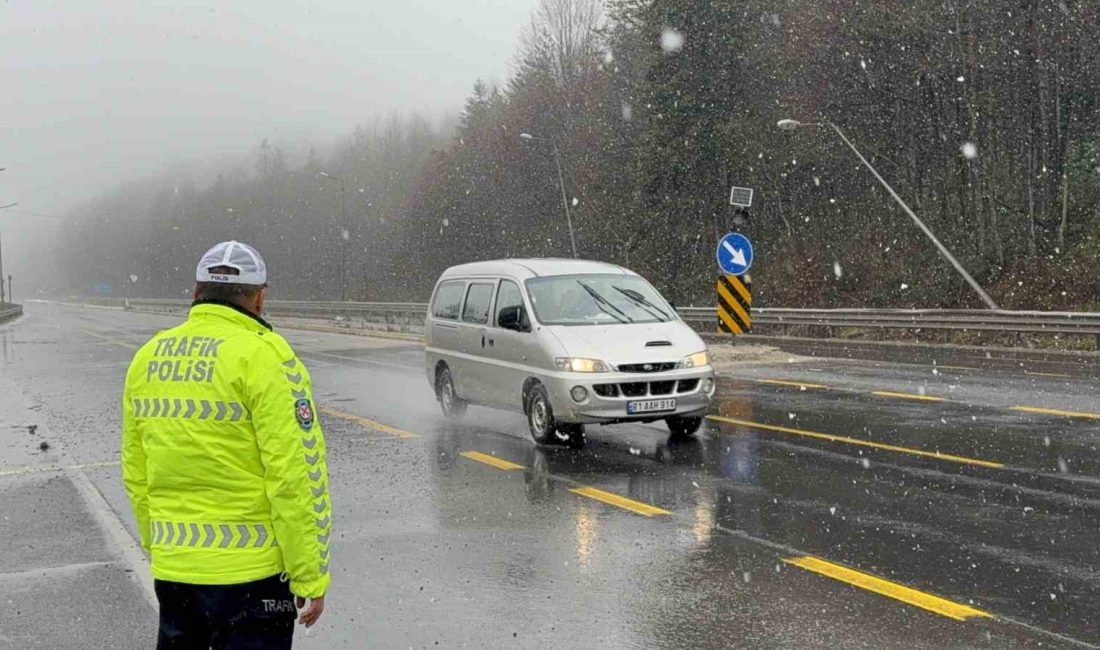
point(734, 288)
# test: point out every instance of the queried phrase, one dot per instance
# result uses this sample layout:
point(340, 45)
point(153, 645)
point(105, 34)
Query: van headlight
point(574, 364)
point(697, 360)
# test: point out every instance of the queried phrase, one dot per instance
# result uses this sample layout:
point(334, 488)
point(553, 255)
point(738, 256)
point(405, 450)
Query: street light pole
point(790, 125)
point(344, 236)
point(561, 184)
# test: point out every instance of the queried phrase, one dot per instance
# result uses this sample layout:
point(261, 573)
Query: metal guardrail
point(411, 315)
point(9, 311)
point(1033, 322)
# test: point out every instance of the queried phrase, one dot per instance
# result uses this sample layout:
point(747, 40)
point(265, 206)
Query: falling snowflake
point(575, 201)
point(628, 112)
point(969, 150)
point(671, 40)
point(837, 271)
point(904, 286)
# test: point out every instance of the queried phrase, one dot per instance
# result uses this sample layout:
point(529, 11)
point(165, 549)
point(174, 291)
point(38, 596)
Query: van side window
point(509, 296)
point(478, 298)
point(448, 300)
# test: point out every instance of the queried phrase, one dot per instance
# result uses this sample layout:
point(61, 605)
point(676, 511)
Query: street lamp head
point(788, 125)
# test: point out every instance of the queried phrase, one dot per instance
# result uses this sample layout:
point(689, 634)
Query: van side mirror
point(514, 318)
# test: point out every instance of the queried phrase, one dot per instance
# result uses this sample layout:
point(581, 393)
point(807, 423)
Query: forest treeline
point(983, 114)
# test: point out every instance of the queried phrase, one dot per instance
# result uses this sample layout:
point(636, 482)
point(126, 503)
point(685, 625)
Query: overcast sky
point(94, 93)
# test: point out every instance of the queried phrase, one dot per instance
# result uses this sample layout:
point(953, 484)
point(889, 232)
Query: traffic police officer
point(224, 463)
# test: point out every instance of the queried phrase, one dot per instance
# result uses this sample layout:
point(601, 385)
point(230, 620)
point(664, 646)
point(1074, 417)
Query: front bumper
point(689, 388)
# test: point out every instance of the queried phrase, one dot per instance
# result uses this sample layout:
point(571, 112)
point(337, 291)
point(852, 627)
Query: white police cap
point(243, 258)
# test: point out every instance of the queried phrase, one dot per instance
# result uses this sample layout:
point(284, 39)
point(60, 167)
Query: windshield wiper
point(604, 303)
point(641, 301)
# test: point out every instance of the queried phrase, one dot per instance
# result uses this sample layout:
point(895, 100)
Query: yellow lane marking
point(1048, 374)
point(889, 589)
point(620, 502)
point(860, 443)
point(39, 469)
point(1070, 414)
point(368, 423)
point(923, 398)
point(797, 384)
point(498, 463)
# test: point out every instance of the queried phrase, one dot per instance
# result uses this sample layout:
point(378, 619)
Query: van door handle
point(482, 340)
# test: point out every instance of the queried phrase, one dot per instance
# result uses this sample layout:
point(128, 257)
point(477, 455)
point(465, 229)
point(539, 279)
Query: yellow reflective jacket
point(223, 457)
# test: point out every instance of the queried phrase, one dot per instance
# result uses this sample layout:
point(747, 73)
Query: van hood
point(626, 343)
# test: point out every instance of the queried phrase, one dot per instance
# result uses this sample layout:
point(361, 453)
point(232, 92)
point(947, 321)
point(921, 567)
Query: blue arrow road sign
point(734, 254)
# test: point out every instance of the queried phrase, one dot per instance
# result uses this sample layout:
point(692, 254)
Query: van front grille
point(606, 390)
point(647, 367)
point(661, 387)
point(646, 388)
point(687, 385)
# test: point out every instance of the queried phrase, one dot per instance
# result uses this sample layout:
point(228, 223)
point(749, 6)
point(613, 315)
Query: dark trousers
point(256, 614)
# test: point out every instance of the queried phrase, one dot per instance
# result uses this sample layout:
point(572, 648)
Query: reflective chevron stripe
point(191, 409)
point(313, 455)
point(208, 535)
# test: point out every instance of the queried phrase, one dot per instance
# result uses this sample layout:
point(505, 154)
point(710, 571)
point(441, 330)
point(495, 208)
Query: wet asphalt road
point(830, 504)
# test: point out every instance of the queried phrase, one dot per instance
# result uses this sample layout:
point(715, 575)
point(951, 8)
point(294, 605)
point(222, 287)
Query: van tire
point(680, 426)
point(453, 406)
point(540, 416)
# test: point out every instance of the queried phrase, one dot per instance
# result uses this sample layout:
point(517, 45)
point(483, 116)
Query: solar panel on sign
point(741, 197)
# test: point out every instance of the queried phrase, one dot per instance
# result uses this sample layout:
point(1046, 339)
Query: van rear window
point(448, 300)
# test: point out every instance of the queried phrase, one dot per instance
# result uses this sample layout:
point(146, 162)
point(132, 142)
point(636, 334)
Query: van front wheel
point(540, 416)
point(453, 406)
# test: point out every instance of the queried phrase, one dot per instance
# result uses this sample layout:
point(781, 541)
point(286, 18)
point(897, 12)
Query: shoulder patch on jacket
point(303, 410)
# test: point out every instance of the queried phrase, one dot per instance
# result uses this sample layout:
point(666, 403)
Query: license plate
point(651, 406)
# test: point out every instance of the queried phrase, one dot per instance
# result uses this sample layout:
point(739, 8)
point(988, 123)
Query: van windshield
point(597, 300)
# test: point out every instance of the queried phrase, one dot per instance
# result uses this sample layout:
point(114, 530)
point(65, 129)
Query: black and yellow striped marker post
point(734, 304)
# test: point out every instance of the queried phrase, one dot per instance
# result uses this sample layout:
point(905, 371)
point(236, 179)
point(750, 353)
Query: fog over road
point(827, 505)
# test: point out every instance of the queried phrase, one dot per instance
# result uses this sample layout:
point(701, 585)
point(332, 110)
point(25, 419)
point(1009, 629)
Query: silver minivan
point(567, 343)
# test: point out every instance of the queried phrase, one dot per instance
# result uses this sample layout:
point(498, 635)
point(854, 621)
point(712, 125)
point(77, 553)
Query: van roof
point(524, 269)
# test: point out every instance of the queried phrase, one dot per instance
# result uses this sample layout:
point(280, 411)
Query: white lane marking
point(113, 528)
point(50, 571)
